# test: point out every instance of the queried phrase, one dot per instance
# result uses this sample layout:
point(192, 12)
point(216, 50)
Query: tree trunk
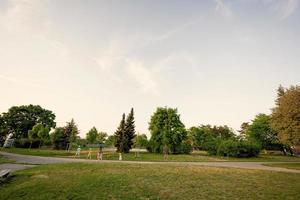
point(283, 150)
point(30, 145)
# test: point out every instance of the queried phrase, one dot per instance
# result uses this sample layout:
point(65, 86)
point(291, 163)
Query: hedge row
point(233, 148)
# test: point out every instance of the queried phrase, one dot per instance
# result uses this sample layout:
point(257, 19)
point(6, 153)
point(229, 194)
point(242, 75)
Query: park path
point(37, 160)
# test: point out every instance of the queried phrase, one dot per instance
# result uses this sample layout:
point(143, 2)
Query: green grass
point(285, 165)
point(134, 181)
point(38, 152)
point(4, 160)
point(198, 156)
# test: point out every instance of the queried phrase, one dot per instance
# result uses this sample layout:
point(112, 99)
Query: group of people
point(89, 156)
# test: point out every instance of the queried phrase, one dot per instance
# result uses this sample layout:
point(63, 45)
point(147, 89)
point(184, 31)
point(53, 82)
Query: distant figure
point(100, 154)
point(120, 156)
point(78, 152)
point(90, 154)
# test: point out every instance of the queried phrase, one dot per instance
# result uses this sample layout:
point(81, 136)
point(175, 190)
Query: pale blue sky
point(218, 62)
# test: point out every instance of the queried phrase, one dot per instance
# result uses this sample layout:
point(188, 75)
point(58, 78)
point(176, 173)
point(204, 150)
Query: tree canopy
point(93, 136)
point(260, 130)
point(286, 115)
point(20, 119)
point(166, 130)
point(120, 135)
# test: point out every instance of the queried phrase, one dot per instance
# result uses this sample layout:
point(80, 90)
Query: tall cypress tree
point(129, 131)
point(120, 136)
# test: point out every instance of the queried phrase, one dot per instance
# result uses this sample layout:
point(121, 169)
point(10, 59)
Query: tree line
point(33, 126)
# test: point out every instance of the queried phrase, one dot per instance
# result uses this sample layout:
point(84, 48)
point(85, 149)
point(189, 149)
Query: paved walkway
point(51, 160)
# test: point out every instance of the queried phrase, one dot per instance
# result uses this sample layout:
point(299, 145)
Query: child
point(90, 154)
point(78, 152)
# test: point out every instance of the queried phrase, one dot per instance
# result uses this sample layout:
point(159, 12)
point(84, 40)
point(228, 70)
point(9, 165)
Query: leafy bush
point(233, 148)
point(186, 147)
point(25, 143)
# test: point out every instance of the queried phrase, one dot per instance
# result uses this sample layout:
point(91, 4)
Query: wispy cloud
point(288, 8)
point(143, 76)
point(224, 10)
point(284, 8)
point(119, 64)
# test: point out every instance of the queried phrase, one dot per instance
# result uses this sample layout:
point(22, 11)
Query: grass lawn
point(285, 165)
point(133, 181)
point(144, 156)
point(4, 160)
point(38, 152)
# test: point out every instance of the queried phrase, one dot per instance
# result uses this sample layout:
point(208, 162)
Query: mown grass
point(5, 160)
point(198, 156)
point(134, 181)
point(285, 165)
point(38, 152)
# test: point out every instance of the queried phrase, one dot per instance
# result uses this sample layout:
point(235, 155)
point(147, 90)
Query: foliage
point(140, 141)
point(234, 148)
point(244, 129)
point(40, 132)
point(120, 136)
point(20, 119)
point(166, 129)
point(186, 147)
point(129, 132)
point(81, 142)
point(92, 135)
point(3, 132)
point(111, 140)
point(27, 143)
point(260, 130)
point(71, 131)
point(125, 133)
point(202, 136)
point(58, 138)
point(286, 115)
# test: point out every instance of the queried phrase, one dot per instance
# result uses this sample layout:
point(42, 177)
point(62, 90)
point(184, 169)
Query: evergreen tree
point(120, 136)
point(70, 132)
point(129, 131)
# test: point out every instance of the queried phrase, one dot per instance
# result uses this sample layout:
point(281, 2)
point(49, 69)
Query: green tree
point(20, 119)
point(140, 141)
point(39, 132)
point(58, 138)
point(244, 129)
point(260, 130)
point(3, 131)
point(286, 116)
point(166, 130)
point(71, 132)
point(102, 136)
point(204, 135)
point(92, 135)
point(120, 136)
point(110, 141)
point(129, 131)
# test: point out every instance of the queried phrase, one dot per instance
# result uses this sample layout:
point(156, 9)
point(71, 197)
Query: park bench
point(4, 173)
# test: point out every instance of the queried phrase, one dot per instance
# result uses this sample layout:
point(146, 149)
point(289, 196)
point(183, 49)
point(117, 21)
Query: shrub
point(25, 143)
point(186, 147)
point(233, 148)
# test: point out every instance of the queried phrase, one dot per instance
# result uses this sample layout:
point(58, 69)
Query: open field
point(285, 165)
point(145, 156)
point(134, 181)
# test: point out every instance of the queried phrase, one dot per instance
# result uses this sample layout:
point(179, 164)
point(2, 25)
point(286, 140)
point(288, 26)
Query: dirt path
point(51, 160)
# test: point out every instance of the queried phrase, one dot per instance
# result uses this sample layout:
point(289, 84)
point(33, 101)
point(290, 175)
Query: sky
point(218, 61)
